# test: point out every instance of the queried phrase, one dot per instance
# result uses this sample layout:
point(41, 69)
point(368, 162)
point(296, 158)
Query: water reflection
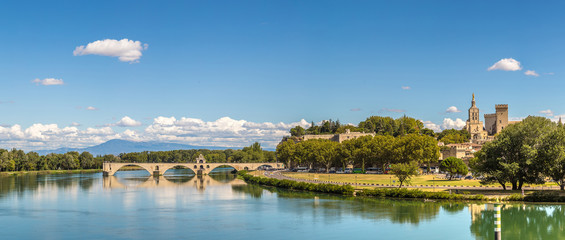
point(521, 221)
point(173, 178)
point(179, 197)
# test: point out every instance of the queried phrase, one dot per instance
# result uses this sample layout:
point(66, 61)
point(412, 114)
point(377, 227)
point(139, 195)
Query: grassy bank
point(416, 193)
point(51, 172)
point(384, 179)
point(294, 185)
point(549, 196)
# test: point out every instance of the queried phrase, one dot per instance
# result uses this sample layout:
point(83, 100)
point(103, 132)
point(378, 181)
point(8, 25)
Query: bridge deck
point(110, 168)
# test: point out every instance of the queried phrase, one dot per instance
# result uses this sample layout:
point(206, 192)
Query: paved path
point(279, 175)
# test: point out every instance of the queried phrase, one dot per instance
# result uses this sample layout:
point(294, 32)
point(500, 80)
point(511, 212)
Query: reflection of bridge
point(201, 167)
point(199, 182)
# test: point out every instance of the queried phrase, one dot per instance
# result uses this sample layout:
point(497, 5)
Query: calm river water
point(132, 205)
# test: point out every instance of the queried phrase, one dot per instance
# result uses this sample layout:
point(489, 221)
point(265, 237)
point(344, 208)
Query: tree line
point(529, 152)
point(383, 126)
point(379, 151)
point(18, 160)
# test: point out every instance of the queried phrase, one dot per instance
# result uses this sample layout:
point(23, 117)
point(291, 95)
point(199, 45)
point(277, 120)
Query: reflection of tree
point(223, 176)
point(397, 211)
point(453, 207)
point(523, 222)
point(251, 189)
point(19, 184)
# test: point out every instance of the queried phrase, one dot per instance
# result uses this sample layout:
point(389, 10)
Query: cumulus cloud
point(432, 126)
point(449, 123)
point(531, 73)
point(406, 87)
point(48, 81)
point(91, 108)
point(221, 132)
point(51, 136)
point(127, 122)
point(547, 112)
point(75, 124)
point(452, 109)
point(506, 64)
point(126, 50)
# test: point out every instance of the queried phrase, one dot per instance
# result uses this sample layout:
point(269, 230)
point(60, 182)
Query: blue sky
point(241, 71)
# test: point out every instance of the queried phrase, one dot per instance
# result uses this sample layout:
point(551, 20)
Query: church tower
point(474, 126)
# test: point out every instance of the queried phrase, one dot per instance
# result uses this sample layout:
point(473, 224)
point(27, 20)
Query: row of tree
point(529, 152)
point(374, 124)
point(18, 160)
point(379, 151)
point(384, 126)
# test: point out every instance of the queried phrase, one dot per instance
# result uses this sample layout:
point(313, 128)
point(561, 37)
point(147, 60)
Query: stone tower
point(474, 126)
point(501, 116)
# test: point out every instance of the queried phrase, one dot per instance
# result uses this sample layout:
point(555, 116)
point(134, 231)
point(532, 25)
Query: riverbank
point(43, 172)
point(421, 181)
point(279, 180)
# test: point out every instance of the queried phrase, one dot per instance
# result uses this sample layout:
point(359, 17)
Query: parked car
point(373, 171)
point(348, 170)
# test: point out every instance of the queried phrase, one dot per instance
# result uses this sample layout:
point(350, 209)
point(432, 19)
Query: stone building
point(337, 137)
point(464, 151)
point(494, 123)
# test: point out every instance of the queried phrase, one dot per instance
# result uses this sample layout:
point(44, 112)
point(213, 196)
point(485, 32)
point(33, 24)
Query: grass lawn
point(389, 178)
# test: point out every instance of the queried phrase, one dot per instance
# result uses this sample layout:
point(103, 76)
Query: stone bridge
point(199, 182)
point(110, 168)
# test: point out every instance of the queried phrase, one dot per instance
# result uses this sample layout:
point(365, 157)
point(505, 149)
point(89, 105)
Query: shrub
point(416, 193)
point(541, 196)
point(294, 185)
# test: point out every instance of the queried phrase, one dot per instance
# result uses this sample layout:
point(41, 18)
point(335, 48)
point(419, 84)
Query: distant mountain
point(118, 146)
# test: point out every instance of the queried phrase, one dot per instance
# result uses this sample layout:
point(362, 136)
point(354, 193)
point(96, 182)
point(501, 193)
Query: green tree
point(404, 172)
point(551, 155)
point(86, 160)
point(513, 155)
point(297, 131)
point(453, 166)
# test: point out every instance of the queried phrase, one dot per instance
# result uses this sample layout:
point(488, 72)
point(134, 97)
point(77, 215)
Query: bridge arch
point(222, 165)
point(185, 166)
point(116, 167)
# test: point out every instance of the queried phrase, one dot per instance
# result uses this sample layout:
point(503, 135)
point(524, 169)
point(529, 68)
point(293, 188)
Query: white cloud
point(221, 132)
point(531, 73)
point(506, 64)
point(48, 81)
point(128, 122)
point(452, 109)
point(432, 126)
point(547, 112)
point(75, 124)
point(449, 123)
point(126, 50)
point(91, 108)
point(406, 87)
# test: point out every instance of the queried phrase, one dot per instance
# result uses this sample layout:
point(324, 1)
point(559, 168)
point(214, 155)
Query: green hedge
point(416, 193)
point(541, 196)
point(294, 185)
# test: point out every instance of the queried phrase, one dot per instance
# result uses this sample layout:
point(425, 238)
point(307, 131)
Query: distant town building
point(494, 123)
point(348, 135)
point(464, 151)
